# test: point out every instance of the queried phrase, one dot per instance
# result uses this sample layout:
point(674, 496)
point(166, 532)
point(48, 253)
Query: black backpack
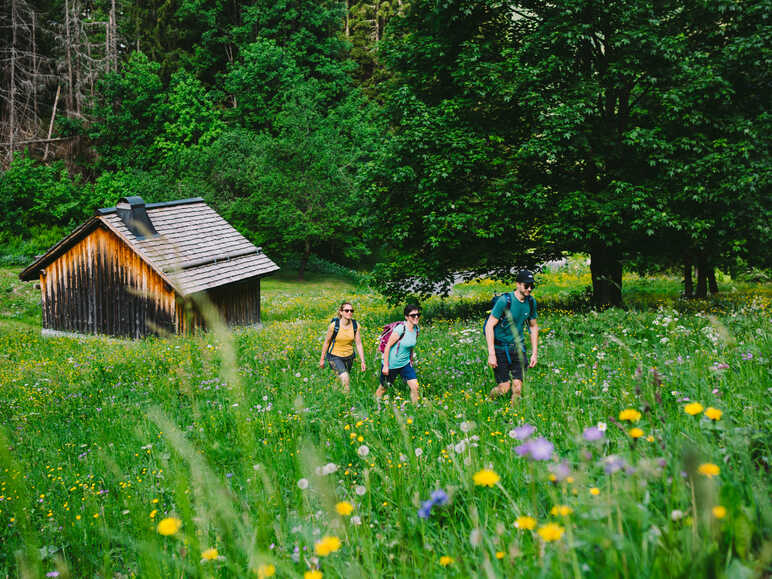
point(335, 331)
point(508, 297)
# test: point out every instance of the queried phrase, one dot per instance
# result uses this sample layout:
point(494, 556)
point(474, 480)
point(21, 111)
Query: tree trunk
point(68, 54)
point(304, 260)
point(348, 19)
point(688, 281)
point(702, 278)
point(606, 270)
point(712, 285)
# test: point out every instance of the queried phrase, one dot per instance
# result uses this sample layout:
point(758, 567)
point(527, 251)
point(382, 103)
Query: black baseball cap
point(525, 276)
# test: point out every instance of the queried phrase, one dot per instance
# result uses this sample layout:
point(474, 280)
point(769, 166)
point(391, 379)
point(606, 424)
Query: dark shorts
point(509, 366)
point(340, 365)
point(407, 373)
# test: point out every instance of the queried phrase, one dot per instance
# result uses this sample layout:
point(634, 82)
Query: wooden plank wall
point(237, 303)
point(101, 286)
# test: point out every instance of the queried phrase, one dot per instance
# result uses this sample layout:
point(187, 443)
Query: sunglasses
point(348, 311)
point(528, 286)
point(414, 315)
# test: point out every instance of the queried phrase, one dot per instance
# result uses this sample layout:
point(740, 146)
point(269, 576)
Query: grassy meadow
point(235, 455)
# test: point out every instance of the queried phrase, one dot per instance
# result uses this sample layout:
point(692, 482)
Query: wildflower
point(719, 512)
point(209, 554)
point(713, 413)
point(363, 451)
point(312, 574)
point(52, 574)
point(677, 515)
point(268, 570)
point(613, 463)
point(445, 560)
point(537, 449)
point(522, 432)
point(356, 520)
point(592, 434)
point(467, 426)
point(636, 432)
point(486, 478)
point(693, 408)
point(747, 356)
point(525, 523)
point(439, 497)
point(418, 452)
point(595, 491)
point(360, 490)
point(562, 510)
point(602, 426)
point(551, 532)
point(709, 469)
point(169, 526)
point(344, 508)
point(328, 544)
point(630, 414)
point(499, 554)
point(559, 471)
point(303, 484)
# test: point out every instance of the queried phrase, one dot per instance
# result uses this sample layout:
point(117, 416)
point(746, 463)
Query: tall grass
point(244, 441)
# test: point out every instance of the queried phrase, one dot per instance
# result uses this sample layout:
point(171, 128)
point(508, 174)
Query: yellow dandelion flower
point(693, 408)
point(630, 414)
point(499, 554)
point(709, 469)
point(486, 478)
point(551, 532)
point(562, 510)
point(595, 491)
point(525, 523)
point(169, 526)
point(719, 512)
point(636, 433)
point(445, 560)
point(268, 570)
point(328, 544)
point(713, 413)
point(153, 513)
point(312, 574)
point(210, 554)
point(344, 508)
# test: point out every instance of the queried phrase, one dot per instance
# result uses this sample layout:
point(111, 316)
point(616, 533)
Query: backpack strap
point(531, 307)
point(335, 331)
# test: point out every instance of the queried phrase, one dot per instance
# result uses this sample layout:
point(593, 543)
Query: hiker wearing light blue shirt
point(398, 354)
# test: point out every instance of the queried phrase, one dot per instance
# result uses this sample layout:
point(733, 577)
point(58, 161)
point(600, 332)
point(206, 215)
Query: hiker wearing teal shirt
point(398, 354)
point(506, 340)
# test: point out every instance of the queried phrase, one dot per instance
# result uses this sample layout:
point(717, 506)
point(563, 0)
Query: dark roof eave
point(31, 272)
point(246, 279)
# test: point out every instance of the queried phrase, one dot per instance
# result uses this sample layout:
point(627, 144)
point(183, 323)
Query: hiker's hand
point(321, 363)
point(364, 366)
point(492, 362)
point(534, 357)
point(385, 369)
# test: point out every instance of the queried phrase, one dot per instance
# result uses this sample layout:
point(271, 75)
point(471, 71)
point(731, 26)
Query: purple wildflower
point(560, 470)
point(439, 497)
point(747, 356)
point(524, 449)
point(613, 463)
point(522, 432)
point(426, 509)
point(592, 434)
point(541, 449)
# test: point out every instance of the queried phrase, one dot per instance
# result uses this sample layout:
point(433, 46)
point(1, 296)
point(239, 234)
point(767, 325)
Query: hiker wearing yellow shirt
point(338, 348)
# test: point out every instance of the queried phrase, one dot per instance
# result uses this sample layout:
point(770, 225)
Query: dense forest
point(415, 138)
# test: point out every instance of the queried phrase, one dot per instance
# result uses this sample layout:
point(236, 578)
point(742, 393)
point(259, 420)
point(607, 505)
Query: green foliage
point(128, 114)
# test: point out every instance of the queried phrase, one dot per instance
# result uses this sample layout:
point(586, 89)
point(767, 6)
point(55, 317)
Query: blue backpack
point(335, 331)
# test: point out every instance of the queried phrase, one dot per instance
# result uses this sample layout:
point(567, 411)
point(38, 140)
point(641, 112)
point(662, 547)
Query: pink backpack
point(386, 333)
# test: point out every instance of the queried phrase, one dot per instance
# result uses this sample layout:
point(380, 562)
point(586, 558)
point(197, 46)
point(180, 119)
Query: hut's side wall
point(101, 286)
point(238, 304)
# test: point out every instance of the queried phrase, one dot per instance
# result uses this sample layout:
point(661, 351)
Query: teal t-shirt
point(521, 313)
point(399, 355)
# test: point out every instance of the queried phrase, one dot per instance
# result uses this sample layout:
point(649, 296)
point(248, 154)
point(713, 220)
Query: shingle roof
point(195, 249)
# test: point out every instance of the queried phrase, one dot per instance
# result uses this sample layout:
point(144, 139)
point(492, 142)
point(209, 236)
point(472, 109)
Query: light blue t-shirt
point(399, 355)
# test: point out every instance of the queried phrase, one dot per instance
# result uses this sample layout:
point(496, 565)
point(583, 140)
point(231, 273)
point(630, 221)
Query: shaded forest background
point(415, 139)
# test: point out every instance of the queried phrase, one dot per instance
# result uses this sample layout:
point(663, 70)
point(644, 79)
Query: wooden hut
point(139, 269)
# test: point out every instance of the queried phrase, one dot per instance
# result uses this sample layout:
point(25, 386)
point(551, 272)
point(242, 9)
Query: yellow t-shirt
point(344, 342)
